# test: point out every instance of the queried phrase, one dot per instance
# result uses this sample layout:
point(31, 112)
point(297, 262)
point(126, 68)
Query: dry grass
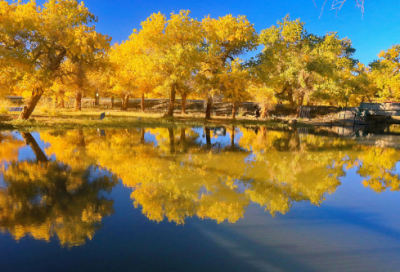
point(67, 119)
point(47, 116)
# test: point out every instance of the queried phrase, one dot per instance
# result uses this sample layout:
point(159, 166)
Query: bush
point(3, 110)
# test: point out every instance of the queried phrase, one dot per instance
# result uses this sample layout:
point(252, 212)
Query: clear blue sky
point(378, 29)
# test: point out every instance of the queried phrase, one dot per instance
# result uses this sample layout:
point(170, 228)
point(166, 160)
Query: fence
point(314, 111)
point(192, 106)
point(162, 105)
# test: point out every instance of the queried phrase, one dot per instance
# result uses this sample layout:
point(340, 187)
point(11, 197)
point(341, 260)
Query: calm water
point(200, 199)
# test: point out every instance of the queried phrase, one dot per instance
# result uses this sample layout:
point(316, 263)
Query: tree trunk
point(301, 100)
point(81, 139)
point(170, 112)
point(30, 107)
point(209, 106)
point(233, 110)
point(294, 141)
point(208, 137)
point(112, 102)
point(183, 139)
point(125, 101)
point(97, 99)
point(171, 140)
point(142, 103)
point(81, 143)
point(29, 140)
point(142, 133)
point(183, 134)
point(78, 100)
point(127, 97)
point(60, 98)
point(263, 131)
point(264, 111)
point(233, 137)
point(56, 102)
point(290, 98)
point(184, 97)
point(79, 90)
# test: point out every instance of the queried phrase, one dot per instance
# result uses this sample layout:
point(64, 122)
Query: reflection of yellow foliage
point(287, 168)
point(9, 147)
point(377, 165)
point(179, 178)
point(223, 205)
point(284, 169)
point(38, 201)
point(68, 146)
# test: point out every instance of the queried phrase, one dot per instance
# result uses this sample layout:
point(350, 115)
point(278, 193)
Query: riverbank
point(89, 118)
point(120, 119)
point(68, 119)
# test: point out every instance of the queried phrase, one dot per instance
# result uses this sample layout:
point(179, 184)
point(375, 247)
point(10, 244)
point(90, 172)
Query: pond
point(200, 199)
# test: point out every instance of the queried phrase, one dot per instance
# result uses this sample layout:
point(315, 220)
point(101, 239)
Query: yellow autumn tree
point(36, 40)
point(176, 45)
point(386, 72)
point(132, 73)
point(225, 39)
point(235, 84)
point(304, 68)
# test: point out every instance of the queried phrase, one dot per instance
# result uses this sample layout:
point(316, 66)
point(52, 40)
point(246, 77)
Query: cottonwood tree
point(79, 70)
point(225, 39)
point(264, 96)
point(160, 57)
point(234, 84)
point(386, 73)
point(298, 65)
point(133, 72)
point(36, 40)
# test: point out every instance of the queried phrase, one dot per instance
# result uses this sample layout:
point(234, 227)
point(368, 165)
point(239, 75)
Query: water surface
point(200, 199)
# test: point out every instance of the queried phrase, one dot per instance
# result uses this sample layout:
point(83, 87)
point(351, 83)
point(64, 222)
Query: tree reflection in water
point(179, 176)
point(45, 198)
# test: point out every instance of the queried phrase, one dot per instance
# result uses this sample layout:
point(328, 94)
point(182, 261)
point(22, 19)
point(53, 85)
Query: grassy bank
point(118, 119)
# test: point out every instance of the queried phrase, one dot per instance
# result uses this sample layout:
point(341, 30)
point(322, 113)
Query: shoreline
point(127, 119)
point(72, 120)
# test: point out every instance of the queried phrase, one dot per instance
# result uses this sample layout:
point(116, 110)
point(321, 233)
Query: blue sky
point(377, 30)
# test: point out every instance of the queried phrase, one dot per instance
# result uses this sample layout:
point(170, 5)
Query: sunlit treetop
point(36, 40)
point(386, 73)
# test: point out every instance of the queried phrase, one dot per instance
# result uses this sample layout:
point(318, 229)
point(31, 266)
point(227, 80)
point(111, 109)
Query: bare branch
point(322, 10)
point(338, 4)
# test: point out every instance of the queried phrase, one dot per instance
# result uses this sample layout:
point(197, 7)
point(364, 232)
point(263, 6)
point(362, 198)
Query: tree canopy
point(55, 50)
